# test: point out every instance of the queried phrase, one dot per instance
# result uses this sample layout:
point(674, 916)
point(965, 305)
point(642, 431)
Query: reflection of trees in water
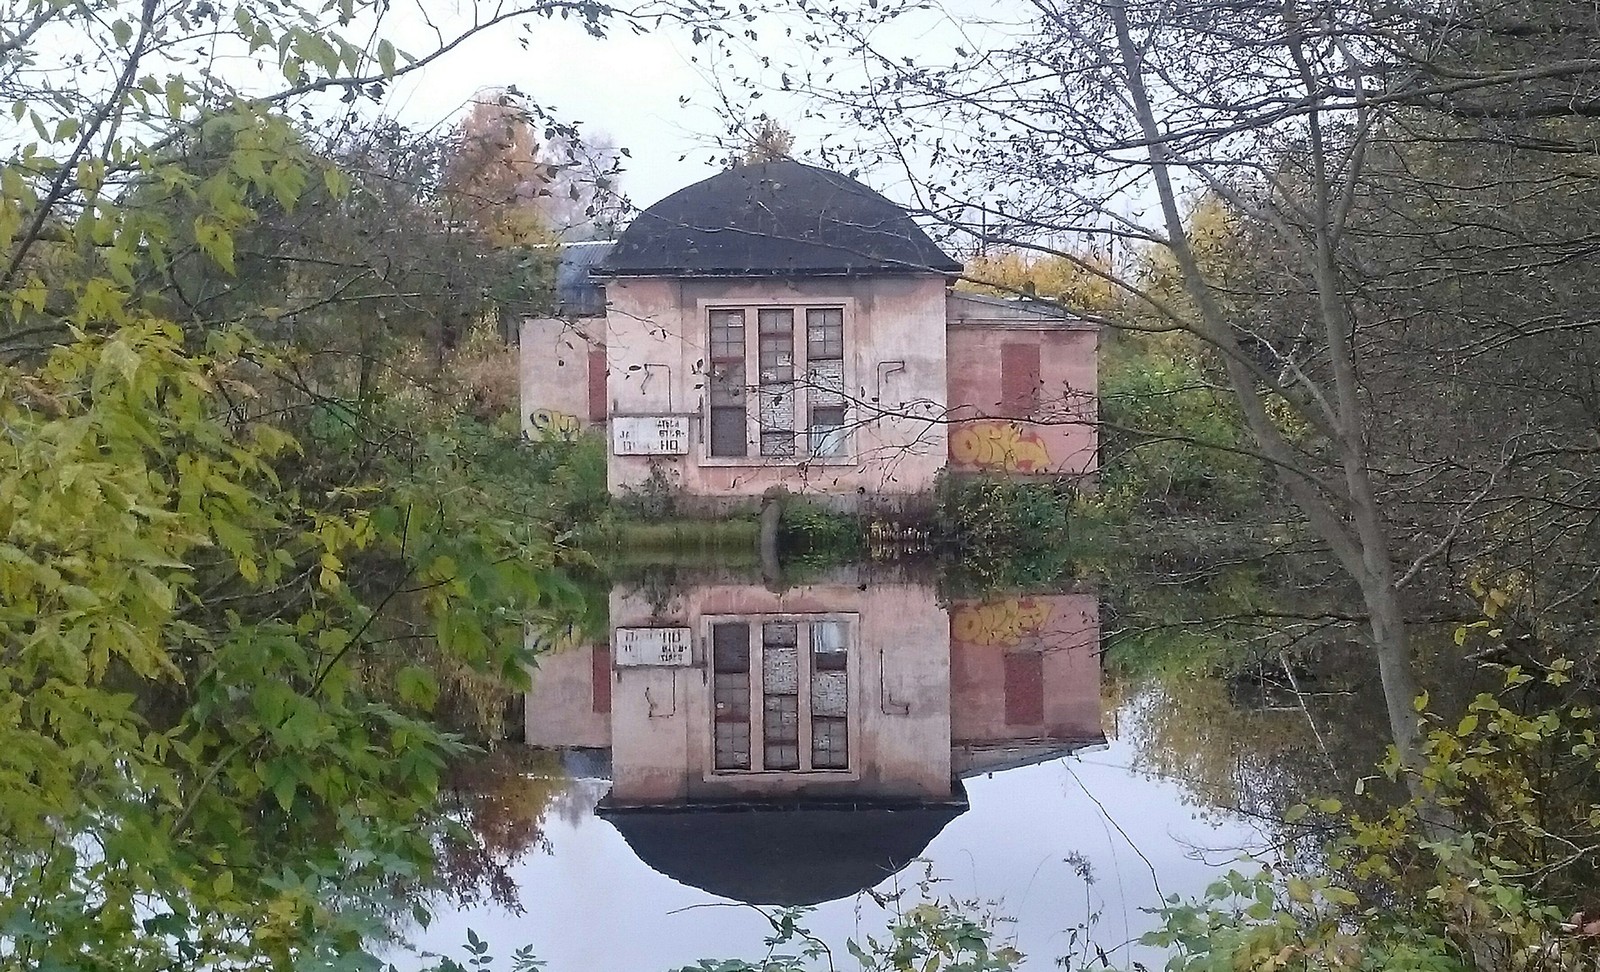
point(1186, 730)
point(575, 804)
point(496, 806)
point(1270, 735)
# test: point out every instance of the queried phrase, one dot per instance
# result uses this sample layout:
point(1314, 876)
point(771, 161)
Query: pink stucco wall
point(553, 364)
point(564, 706)
point(560, 706)
point(933, 377)
point(994, 700)
point(1054, 433)
point(895, 377)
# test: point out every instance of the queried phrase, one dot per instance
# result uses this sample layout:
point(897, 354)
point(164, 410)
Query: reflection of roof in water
point(788, 854)
point(582, 763)
point(971, 759)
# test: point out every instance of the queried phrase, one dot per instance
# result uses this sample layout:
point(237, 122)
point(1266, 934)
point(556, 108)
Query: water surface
point(848, 745)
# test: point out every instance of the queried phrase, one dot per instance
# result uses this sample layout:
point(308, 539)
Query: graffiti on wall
point(1000, 445)
point(1001, 623)
point(548, 423)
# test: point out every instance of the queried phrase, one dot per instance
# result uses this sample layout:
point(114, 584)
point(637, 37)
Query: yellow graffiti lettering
point(550, 424)
point(999, 444)
point(998, 622)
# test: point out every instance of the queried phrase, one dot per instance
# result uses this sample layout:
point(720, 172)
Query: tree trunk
point(1359, 543)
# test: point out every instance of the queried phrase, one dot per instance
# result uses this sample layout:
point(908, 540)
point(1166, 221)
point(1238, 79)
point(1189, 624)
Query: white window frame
point(852, 627)
point(802, 404)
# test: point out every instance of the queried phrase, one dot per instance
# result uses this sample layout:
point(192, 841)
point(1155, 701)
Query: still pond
point(858, 743)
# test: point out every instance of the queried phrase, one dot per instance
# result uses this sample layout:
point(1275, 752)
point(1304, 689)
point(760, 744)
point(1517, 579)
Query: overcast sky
point(627, 87)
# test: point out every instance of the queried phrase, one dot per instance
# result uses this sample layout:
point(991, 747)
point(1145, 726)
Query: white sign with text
point(650, 435)
point(635, 647)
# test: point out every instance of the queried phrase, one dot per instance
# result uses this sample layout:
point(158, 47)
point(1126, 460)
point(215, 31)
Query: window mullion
point(758, 690)
point(803, 700)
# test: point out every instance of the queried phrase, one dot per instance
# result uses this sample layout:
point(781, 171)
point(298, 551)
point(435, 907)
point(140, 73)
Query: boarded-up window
point(776, 383)
point(1019, 380)
point(1024, 688)
point(780, 666)
point(830, 696)
point(828, 437)
point(792, 673)
point(600, 676)
point(798, 382)
point(597, 385)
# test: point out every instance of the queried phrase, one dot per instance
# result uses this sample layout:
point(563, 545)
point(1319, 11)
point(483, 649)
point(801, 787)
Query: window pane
point(727, 383)
point(728, 432)
point(780, 633)
point(730, 664)
point(830, 743)
point(730, 646)
point(826, 381)
point(828, 641)
point(782, 719)
point(830, 692)
point(727, 335)
point(777, 358)
point(779, 444)
point(732, 691)
point(776, 345)
point(776, 320)
point(780, 671)
point(825, 332)
point(776, 416)
point(733, 745)
point(828, 436)
point(781, 733)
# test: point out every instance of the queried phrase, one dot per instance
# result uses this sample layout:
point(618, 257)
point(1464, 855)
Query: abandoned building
point(779, 324)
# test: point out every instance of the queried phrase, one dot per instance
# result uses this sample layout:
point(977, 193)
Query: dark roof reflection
point(784, 854)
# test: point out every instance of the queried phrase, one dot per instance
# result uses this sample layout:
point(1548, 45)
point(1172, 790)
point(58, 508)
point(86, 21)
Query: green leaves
point(215, 240)
point(191, 697)
point(234, 577)
point(417, 686)
point(386, 55)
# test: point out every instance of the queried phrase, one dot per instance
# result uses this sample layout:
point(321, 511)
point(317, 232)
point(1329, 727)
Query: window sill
point(843, 776)
point(763, 462)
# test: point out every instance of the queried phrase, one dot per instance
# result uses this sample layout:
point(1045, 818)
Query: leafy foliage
point(927, 937)
point(1082, 284)
point(1171, 439)
point(266, 538)
point(1006, 533)
point(182, 636)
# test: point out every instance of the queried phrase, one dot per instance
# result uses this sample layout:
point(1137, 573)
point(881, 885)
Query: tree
point(770, 142)
point(1057, 278)
point(502, 181)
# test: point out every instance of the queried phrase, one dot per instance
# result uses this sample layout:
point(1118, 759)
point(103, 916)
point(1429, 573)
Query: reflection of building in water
point(1024, 680)
point(797, 747)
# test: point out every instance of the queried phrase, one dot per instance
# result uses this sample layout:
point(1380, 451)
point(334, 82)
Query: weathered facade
point(782, 325)
point(852, 709)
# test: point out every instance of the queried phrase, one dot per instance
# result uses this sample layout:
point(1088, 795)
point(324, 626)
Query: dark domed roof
point(775, 218)
point(793, 855)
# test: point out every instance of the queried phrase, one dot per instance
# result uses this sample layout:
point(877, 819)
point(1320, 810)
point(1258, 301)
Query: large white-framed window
point(791, 366)
point(781, 694)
